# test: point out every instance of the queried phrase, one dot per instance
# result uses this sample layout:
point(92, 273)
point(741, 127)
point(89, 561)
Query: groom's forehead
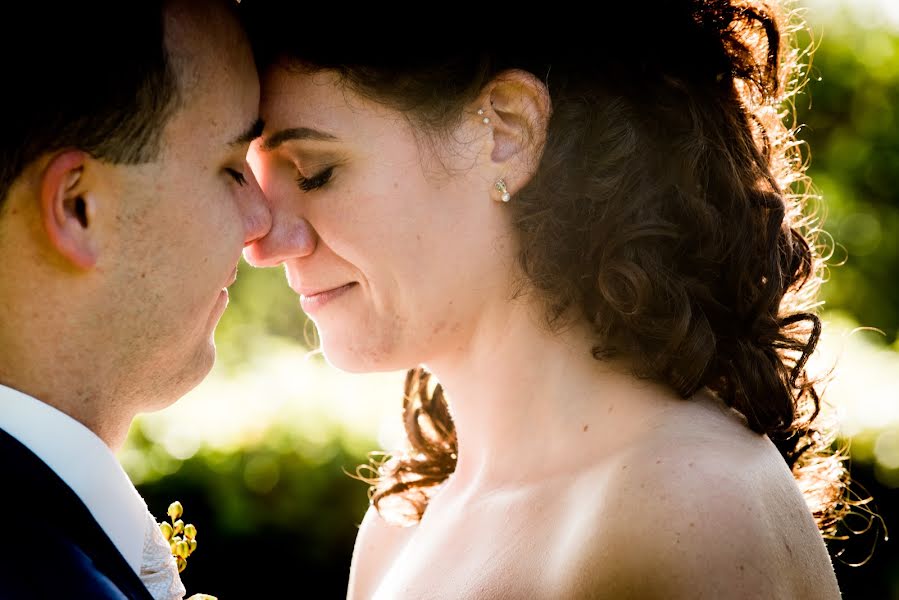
point(201, 35)
point(218, 86)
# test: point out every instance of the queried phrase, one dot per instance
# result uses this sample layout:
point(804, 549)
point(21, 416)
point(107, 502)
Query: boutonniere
point(182, 539)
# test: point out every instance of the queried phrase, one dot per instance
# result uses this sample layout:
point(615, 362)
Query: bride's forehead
point(287, 91)
point(321, 100)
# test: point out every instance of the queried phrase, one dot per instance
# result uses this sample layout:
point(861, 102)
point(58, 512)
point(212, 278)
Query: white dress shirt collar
point(85, 463)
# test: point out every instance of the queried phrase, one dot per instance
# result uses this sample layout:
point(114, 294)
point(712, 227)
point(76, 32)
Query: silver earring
point(486, 120)
point(500, 186)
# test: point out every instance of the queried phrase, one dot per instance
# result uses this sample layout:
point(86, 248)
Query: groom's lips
point(222, 300)
point(233, 277)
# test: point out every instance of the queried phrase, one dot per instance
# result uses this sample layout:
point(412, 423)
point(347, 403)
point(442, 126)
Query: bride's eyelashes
point(307, 184)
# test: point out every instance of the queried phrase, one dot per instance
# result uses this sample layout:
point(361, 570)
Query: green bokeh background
point(260, 453)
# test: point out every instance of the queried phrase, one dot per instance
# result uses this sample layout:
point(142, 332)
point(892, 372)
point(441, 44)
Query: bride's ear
point(517, 107)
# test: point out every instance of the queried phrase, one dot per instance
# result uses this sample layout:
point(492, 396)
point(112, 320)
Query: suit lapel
point(43, 495)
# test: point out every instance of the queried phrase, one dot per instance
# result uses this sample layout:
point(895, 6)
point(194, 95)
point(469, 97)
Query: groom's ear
point(68, 208)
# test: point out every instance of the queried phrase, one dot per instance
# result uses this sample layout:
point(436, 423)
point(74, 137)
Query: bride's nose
point(289, 237)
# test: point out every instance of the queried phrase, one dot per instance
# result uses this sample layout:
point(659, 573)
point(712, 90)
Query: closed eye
point(237, 176)
point(307, 184)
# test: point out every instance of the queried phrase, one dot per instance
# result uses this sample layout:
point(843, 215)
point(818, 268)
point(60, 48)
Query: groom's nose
point(255, 213)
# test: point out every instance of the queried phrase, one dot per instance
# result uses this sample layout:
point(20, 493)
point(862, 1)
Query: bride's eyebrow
point(296, 133)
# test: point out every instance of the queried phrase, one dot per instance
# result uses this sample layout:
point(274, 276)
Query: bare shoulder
point(377, 544)
point(704, 507)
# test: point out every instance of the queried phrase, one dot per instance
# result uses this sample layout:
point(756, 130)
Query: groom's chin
point(202, 366)
point(184, 377)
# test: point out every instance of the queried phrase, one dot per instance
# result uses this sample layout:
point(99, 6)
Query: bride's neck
point(523, 398)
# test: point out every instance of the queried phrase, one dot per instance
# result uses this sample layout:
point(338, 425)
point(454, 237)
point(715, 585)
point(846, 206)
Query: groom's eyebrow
point(296, 133)
point(250, 133)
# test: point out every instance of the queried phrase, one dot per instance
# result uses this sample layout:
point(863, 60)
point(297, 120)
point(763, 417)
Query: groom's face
point(186, 217)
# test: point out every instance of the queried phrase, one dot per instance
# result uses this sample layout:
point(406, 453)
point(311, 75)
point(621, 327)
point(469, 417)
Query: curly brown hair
point(667, 211)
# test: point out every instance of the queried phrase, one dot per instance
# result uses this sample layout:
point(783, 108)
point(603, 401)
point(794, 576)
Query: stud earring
point(500, 186)
point(486, 120)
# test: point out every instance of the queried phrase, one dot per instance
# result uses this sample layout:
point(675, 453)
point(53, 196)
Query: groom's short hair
point(95, 76)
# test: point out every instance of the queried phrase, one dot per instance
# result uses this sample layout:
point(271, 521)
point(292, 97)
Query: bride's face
point(393, 240)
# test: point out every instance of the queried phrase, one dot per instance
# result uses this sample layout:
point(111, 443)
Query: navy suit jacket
point(52, 546)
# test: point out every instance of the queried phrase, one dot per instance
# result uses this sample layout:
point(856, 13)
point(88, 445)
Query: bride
point(598, 251)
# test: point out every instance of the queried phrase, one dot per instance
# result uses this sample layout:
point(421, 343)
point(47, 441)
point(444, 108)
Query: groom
point(125, 202)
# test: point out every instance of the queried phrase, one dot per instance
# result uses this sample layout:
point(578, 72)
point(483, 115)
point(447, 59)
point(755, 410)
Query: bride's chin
point(351, 359)
point(341, 363)
point(340, 356)
point(349, 367)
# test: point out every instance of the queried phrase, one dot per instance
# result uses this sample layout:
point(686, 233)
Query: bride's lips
point(314, 300)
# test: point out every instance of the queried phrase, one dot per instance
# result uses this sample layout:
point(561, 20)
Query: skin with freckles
point(574, 478)
point(369, 165)
point(114, 274)
point(125, 204)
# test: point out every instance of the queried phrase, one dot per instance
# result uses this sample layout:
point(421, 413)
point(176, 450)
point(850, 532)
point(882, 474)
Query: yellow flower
point(182, 540)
